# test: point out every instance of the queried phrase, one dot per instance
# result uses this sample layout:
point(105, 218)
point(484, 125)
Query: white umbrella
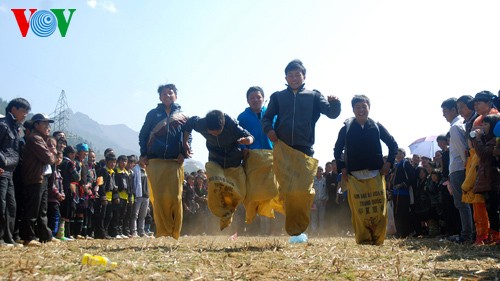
point(426, 146)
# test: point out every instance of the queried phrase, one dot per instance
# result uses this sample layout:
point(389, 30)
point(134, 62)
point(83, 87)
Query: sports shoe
point(32, 243)
point(3, 244)
point(54, 240)
point(15, 244)
point(460, 240)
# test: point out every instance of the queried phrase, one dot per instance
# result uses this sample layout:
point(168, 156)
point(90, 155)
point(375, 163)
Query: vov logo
point(43, 22)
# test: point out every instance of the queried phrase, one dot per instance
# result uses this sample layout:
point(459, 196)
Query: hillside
point(119, 137)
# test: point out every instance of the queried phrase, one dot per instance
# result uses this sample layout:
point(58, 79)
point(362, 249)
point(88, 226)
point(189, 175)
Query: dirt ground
point(253, 258)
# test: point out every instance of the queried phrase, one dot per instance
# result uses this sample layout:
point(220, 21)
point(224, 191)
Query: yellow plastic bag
point(295, 173)
point(367, 200)
point(166, 178)
point(261, 183)
point(226, 190)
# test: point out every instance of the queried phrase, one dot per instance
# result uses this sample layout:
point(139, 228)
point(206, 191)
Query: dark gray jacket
point(223, 149)
point(297, 115)
point(9, 145)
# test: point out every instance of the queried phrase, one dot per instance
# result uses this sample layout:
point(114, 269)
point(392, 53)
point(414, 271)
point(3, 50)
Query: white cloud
point(106, 5)
point(3, 9)
point(92, 3)
point(109, 6)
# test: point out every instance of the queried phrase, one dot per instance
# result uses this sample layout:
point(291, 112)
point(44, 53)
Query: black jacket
point(9, 145)
point(161, 134)
point(363, 147)
point(297, 115)
point(223, 149)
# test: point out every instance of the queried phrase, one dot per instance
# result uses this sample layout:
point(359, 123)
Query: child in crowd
point(80, 221)
point(141, 195)
point(319, 206)
point(127, 219)
point(189, 205)
point(107, 189)
point(56, 196)
point(120, 199)
point(70, 178)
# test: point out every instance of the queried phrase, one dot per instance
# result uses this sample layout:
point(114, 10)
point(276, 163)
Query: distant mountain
point(119, 137)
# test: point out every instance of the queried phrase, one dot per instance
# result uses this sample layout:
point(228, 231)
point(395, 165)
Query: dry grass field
point(253, 258)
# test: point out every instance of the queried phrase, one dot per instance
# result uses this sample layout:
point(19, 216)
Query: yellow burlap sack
point(295, 173)
point(226, 190)
point(166, 178)
point(262, 186)
point(367, 200)
point(468, 195)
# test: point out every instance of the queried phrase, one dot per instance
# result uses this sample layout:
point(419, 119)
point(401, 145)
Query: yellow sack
point(295, 173)
point(367, 200)
point(261, 184)
point(226, 190)
point(166, 178)
point(468, 195)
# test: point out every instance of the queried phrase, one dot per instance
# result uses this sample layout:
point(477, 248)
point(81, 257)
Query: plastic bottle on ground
point(89, 259)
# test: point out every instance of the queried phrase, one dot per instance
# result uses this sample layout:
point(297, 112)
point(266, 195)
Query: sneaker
point(135, 236)
point(3, 244)
point(301, 238)
point(79, 237)
point(460, 240)
point(54, 240)
point(64, 239)
point(15, 244)
point(32, 243)
point(124, 236)
point(117, 237)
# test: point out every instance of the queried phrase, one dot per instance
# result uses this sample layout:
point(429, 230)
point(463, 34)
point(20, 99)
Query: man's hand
point(1, 171)
point(344, 175)
point(272, 136)
point(180, 158)
point(61, 197)
point(245, 140)
point(187, 149)
point(332, 98)
point(385, 169)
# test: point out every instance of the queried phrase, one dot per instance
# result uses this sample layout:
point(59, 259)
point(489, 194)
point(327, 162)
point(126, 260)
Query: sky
point(406, 56)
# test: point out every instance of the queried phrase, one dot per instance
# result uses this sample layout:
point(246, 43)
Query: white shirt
point(458, 145)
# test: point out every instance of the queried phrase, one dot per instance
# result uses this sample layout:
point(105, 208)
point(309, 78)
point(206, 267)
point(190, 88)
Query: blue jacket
point(161, 135)
point(251, 122)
